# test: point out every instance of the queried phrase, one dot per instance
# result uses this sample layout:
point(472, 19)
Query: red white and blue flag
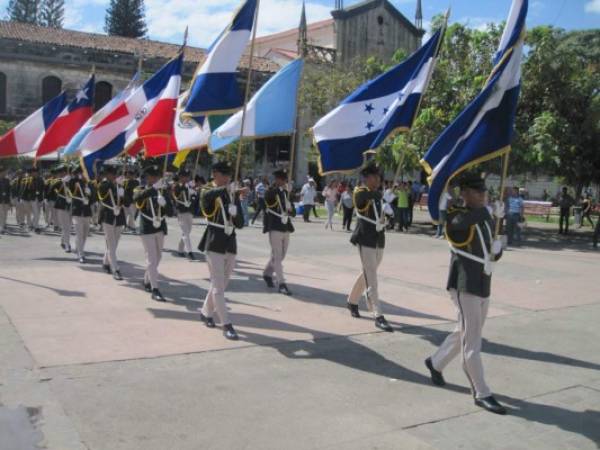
point(23, 138)
point(69, 122)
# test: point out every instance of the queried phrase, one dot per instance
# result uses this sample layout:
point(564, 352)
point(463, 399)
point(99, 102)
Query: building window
point(2, 93)
point(103, 94)
point(51, 87)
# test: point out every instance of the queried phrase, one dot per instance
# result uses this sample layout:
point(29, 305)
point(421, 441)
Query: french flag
point(23, 138)
point(70, 120)
point(119, 130)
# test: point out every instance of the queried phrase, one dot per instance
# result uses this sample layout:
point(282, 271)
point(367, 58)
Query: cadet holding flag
point(62, 204)
point(279, 226)
point(184, 197)
point(112, 218)
point(82, 198)
point(4, 198)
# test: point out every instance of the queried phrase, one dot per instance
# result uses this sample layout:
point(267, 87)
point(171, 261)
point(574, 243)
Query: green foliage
point(52, 13)
point(26, 11)
point(5, 126)
point(126, 18)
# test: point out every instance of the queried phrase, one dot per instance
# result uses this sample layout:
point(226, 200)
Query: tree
point(126, 18)
point(52, 13)
point(26, 11)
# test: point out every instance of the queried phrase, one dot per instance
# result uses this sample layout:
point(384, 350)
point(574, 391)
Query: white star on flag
point(81, 95)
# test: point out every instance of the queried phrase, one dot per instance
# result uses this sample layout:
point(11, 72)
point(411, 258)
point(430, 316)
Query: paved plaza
point(87, 362)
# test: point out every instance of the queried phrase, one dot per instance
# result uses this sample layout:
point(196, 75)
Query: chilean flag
point(70, 120)
point(119, 130)
point(22, 138)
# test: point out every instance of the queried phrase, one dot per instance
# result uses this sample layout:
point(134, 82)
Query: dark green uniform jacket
point(146, 198)
point(181, 194)
point(33, 188)
point(4, 191)
point(275, 199)
point(129, 185)
point(365, 233)
point(215, 239)
point(80, 189)
point(467, 275)
point(107, 214)
point(60, 192)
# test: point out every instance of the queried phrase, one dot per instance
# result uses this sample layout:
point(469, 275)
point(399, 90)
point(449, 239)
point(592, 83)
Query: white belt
point(488, 264)
point(379, 225)
point(186, 203)
point(226, 226)
point(156, 220)
point(116, 208)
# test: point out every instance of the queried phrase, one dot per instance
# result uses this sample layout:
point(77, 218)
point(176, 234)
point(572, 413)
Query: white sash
point(488, 264)
point(285, 218)
point(379, 225)
point(116, 208)
point(226, 226)
point(156, 220)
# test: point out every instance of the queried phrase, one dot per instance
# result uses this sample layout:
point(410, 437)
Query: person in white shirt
point(308, 195)
point(331, 197)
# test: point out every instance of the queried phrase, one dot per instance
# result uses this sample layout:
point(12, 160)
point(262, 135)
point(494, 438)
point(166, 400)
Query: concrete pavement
point(91, 363)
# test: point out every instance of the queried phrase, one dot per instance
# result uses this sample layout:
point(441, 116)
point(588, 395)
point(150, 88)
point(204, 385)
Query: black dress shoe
point(436, 377)
point(68, 249)
point(230, 333)
point(191, 256)
point(208, 321)
point(283, 289)
point(117, 275)
point(269, 281)
point(82, 260)
point(354, 311)
point(383, 324)
point(490, 404)
point(147, 287)
point(181, 254)
point(62, 246)
point(106, 268)
point(156, 295)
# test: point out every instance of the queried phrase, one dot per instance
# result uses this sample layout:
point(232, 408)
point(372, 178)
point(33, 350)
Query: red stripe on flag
point(118, 113)
point(62, 131)
point(157, 145)
point(160, 120)
point(8, 145)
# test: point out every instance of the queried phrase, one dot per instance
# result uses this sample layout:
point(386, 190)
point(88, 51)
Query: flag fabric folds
point(271, 112)
point(25, 135)
point(370, 114)
point(215, 89)
point(73, 147)
point(484, 129)
point(70, 120)
point(119, 129)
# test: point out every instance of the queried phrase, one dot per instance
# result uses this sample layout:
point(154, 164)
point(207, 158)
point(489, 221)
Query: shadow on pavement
point(61, 292)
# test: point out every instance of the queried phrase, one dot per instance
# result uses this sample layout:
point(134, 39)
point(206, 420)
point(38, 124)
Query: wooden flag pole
point(505, 158)
point(294, 137)
point(197, 160)
point(247, 94)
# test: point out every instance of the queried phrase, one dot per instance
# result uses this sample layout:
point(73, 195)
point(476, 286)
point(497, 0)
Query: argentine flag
point(379, 107)
point(271, 112)
point(215, 89)
point(484, 130)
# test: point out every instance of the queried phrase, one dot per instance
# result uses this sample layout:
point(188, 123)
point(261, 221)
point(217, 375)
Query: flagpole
point(505, 158)
point(294, 135)
point(247, 94)
point(197, 160)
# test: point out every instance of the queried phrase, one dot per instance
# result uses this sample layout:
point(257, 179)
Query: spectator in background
point(403, 204)
point(586, 210)
point(545, 196)
point(596, 234)
point(515, 215)
point(348, 207)
point(245, 200)
point(259, 191)
point(565, 202)
point(414, 196)
point(331, 197)
point(308, 195)
point(445, 199)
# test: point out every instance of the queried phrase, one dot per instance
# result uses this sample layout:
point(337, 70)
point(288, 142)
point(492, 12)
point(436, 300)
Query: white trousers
point(48, 207)
point(36, 209)
point(130, 215)
point(4, 208)
point(220, 267)
point(64, 220)
point(20, 212)
point(54, 215)
point(466, 340)
point(366, 282)
point(279, 242)
point(153, 245)
point(185, 223)
point(82, 230)
point(330, 212)
point(112, 234)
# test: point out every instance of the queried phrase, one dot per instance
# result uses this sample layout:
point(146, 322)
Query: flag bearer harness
point(379, 220)
point(83, 199)
point(156, 219)
point(486, 260)
point(285, 218)
point(116, 208)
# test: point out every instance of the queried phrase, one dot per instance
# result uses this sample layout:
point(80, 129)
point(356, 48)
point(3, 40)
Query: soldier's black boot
point(354, 311)
point(147, 287)
point(383, 324)
point(156, 295)
point(117, 275)
point(490, 404)
point(436, 376)
point(230, 333)
point(191, 256)
point(283, 289)
point(269, 281)
point(208, 321)
point(106, 268)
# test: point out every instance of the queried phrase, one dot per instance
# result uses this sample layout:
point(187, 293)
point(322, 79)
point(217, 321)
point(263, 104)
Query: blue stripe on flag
point(53, 108)
point(113, 149)
point(155, 85)
point(215, 92)
point(245, 16)
point(344, 154)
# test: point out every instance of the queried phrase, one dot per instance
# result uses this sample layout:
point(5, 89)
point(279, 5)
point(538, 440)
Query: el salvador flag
point(379, 107)
point(270, 112)
point(215, 89)
point(110, 137)
point(484, 129)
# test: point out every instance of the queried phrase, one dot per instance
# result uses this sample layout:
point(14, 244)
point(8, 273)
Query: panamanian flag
point(70, 120)
point(484, 129)
point(24, 136)
point(215, 89)
point(379, 107)
point(117, 131)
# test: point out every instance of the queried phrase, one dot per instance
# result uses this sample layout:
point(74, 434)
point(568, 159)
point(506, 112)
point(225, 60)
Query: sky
point(167, 19)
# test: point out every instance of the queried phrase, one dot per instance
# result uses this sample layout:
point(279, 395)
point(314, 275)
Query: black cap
point(281, 174)
point(222, 167)
point(472, 180)
point(184, 172)
point(370, 169)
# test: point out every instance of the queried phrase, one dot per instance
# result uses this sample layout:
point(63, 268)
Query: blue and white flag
point(271, 112)
point(484, 130)
point(215, 89)
point(72, 147)
point(379, 107)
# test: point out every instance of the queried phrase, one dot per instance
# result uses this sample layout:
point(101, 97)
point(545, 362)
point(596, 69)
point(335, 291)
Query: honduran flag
point(215, 89)
point(388, 103)
point(118, 130)
point(484, 129)
point(69, 122)
point(72, 147)
point(23, 138)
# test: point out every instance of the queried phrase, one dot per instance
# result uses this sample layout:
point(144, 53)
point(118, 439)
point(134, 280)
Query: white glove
point(497, 247)
point(120, 192)
point(232, 210)
point(191, 191)
point(499, 209)
point(120, 180)
point(66, 178)
point(161, 200)
point(191, 184)
point(88, 191)
point(160, 184)
point(387, 210)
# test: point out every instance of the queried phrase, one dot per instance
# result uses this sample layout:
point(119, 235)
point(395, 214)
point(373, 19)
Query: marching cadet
point(130, 184)
point(50, 199)
point(82, 198)
point(469, 231)
point(17, 198)
point(26, 194)
point(35, 196)
point(4, 198)
point(369, 236)
point(223, 213)
point(62, 204)
point(184, 198)
point(153, 207)
point(277, 223)
point(112, 218)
